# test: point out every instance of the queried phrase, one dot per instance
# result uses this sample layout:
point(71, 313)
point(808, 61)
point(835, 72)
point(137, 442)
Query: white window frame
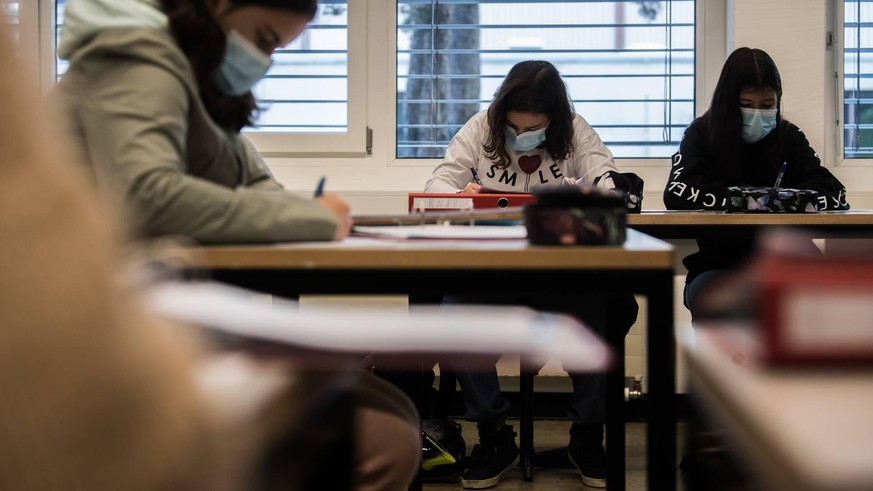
point(835, 107)
point(354, 140)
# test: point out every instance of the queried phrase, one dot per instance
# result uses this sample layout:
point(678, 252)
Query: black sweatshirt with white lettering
point(699, 179)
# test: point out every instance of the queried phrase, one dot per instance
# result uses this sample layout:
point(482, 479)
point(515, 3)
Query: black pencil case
point(576, 215)
point(751, 199)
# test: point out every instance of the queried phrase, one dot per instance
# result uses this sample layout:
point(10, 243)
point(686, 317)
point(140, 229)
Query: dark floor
point(552, 433)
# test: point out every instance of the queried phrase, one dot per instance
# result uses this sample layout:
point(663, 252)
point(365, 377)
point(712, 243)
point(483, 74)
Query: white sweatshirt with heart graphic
point(528, 170)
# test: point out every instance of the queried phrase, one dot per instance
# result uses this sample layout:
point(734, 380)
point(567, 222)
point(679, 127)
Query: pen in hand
point(781, 173)
point(475, 176)
point(319, 190)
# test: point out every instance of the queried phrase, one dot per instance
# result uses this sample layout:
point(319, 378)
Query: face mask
point(243, 65)
point(757, 123)
point(525, 141)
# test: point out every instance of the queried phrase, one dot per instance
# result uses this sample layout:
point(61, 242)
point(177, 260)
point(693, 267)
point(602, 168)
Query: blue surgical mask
point(757, 123)
point(242, 67)
point(525, 141)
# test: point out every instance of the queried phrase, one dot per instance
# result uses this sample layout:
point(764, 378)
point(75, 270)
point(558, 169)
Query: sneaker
point(587, 454)
point(495, 454)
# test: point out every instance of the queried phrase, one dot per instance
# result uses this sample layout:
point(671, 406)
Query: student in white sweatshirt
point(530, 136)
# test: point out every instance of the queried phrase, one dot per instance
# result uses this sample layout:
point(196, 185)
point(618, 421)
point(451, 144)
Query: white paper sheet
point(448, 329)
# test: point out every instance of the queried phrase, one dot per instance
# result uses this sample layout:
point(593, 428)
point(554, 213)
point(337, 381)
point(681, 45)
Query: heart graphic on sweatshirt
point(529, 163)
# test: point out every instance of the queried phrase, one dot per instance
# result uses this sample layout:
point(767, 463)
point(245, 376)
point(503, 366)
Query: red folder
point(817, 310)
point(454, 201)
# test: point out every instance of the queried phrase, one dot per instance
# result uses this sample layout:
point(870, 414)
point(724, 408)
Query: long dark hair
point(532, 86)
point(203, 42)
point(744, 69)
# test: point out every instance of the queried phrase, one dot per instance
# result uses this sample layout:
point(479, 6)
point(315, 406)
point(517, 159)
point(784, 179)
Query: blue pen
point(781, 173)
point(475, 176)
point(319, 190)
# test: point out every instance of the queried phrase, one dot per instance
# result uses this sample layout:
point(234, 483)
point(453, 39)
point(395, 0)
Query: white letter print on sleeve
point(679, 188)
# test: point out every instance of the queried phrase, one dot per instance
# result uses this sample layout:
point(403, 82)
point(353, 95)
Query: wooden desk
point(675, 224)
point(431, 268)
point(798, 430)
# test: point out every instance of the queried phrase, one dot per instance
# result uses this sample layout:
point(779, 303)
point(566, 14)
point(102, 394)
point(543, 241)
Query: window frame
point(835, 108)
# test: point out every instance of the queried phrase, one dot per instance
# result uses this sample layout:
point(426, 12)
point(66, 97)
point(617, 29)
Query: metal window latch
point(369, 141)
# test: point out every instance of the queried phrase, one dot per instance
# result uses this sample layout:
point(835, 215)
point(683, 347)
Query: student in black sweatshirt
point(742, 139)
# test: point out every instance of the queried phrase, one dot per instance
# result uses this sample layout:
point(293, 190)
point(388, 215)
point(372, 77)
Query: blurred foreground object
point(808, 307)
point(331, 338)
point(96, 396)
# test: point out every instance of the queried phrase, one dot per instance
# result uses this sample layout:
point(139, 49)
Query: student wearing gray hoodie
point(158, 92)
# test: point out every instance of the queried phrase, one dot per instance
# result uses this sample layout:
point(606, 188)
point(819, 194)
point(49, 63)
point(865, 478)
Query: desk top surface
point(692, 218)
point(640, 251)
point(812, 423)
point(661, 218)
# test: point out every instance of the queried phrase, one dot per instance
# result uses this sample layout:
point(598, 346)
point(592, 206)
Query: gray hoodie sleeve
point(259, 174)
point(133, 122)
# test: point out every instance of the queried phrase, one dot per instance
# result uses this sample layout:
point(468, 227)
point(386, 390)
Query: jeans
point(697, 287)
point(483, 401)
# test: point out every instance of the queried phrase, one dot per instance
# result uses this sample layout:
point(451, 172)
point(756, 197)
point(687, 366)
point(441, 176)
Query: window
point(306, 99)
point(628, 65)
point(857, 79)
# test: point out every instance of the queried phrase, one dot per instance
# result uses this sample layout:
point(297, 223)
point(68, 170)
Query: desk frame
point(430, 273)
point(719, 224)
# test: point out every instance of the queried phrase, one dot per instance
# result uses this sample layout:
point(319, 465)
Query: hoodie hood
point(83, 19)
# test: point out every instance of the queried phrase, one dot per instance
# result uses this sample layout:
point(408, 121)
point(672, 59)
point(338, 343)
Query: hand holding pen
point(474, 185)
point(337, 207)
point(319, 189)
point(780, 175)
point(475, 176)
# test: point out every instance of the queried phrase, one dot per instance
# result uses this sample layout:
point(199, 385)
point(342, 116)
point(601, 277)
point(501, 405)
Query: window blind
point(306, 89)
point(858, 79)
point(628, 66)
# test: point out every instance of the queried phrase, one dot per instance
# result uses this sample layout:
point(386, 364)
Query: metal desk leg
point(661, 350)
point(526, 423)
point(615, 417)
